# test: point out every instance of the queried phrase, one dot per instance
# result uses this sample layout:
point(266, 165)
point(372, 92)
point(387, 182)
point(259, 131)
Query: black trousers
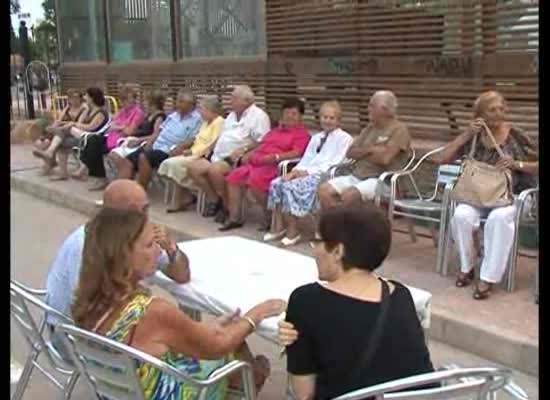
point(92, 155)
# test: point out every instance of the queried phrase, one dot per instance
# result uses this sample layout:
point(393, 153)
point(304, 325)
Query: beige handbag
point(482, 185)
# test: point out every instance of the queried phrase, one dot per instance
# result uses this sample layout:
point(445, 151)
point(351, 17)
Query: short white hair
point(244, 92)
point(386, 99)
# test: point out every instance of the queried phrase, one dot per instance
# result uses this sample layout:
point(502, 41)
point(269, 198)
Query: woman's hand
point(269, 159)
point(286, 334)
point(506, 163)
point(295, 173)
point(476, 126)
point(132, 141)
point(269, 308)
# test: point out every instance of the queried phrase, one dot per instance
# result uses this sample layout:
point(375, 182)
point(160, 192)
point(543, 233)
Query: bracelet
point(250, 321)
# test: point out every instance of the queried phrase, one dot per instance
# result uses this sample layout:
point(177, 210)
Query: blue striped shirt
point(177, 129)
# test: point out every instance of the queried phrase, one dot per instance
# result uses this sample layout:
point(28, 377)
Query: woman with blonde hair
point(295, 195)
point(175, 168)
point(119, 251)
point(521, 158)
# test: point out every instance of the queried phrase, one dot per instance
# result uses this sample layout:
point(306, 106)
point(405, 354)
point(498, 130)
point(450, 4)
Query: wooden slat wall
point(435, 59)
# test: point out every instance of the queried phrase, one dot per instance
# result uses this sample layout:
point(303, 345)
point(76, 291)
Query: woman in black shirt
point(335, 320)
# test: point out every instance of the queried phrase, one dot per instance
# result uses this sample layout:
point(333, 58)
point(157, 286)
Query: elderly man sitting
point(383, 145)
point(242, 132)
point(62, 279)
point(178, 131)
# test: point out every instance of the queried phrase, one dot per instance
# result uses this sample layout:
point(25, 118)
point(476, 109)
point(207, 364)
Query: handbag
point(482, 185)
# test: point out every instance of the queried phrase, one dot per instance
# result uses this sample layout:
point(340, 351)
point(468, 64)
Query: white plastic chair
point(464, 383)
point(109, 367)
point(33, 332)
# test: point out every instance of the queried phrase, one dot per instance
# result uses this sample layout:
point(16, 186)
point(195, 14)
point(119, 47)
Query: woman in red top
point(289, 140)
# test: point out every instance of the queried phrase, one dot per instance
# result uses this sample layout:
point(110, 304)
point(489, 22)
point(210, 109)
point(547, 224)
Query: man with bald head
point(62, 279)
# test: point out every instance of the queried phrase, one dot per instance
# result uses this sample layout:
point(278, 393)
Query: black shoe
point(229, 225)
point(212, 209)
point(265, 225)
point(221, 216)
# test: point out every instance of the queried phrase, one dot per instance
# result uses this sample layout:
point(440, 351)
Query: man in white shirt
point(242, 131)
point(63, 275)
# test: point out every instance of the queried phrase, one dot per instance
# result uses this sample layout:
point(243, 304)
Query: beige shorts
point(366, 187)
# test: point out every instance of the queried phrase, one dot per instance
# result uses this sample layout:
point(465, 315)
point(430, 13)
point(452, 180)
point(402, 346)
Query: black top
point(67, 116)
point(148, 124)
point(335, 329)
point(90, 117)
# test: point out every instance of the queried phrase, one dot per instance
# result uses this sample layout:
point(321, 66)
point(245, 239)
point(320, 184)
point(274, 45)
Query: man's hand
point(238, 153)
point(164, 241)
point(286, 334)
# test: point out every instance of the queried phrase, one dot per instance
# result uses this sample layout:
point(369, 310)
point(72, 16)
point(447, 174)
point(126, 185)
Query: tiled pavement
point(503, 328)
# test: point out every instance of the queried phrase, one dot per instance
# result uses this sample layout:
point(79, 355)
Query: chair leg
point(25, 375)
point(412, 231)
point(70, 385)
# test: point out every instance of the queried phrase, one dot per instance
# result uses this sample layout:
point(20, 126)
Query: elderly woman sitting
point(522, 159)
point(295, 195)
point(124, 123)
point(175, 167)
point(287, 141)
point(355, 329)
point(119, 251)
point(74, 112)
point(145, 134)
point(71, 133)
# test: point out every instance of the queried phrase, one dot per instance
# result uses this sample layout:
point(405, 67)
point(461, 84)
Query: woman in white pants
point(522, 159)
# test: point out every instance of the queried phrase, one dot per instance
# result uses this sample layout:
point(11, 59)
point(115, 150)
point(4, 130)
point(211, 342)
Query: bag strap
point(493, 140)
point(372, 346)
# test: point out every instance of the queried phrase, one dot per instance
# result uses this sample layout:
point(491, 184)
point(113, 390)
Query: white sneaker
point(290, 242)
point(270, 236)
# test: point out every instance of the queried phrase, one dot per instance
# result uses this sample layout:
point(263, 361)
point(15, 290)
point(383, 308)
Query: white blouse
point(333, 151)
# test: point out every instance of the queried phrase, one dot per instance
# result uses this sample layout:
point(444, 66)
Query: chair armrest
point(285, 166)
point(334, 168)
point(28, 289)
point(522, 201)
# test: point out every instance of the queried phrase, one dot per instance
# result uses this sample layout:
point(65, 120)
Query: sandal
point(463, 280)
point(483, 294)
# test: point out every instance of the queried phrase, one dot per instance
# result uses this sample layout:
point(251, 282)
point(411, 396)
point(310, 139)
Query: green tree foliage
point(14, 6)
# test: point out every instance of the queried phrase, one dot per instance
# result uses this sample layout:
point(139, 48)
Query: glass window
point(140, 30)
point(82, 30)
point(222, 28)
